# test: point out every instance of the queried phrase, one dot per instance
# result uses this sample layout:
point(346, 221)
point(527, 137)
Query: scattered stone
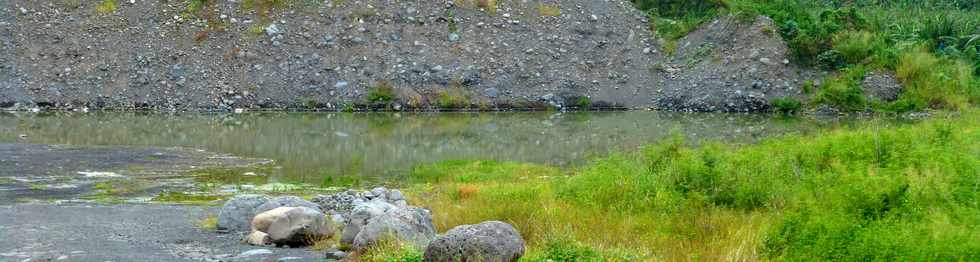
point(487, 241)
point(255, 253)
point(272, 30)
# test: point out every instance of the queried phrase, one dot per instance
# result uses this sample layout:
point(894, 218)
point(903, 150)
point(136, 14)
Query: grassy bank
point(934, 46)
point(877, 192)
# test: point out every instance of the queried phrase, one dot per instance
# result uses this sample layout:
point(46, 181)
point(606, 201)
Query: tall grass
point(878, 192)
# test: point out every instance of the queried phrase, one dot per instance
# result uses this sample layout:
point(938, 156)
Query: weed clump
point(787, 105)
point(546, 10)
point(383, 92)
point(106, 6)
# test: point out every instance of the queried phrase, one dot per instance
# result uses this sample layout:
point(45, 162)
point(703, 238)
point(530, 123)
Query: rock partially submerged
point(487, 241)
point(292, 226)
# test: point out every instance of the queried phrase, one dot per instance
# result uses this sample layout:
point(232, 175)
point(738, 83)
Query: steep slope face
point(225, 55)
point(731, 65)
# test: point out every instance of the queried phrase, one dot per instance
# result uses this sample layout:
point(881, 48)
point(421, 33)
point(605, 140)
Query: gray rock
point(487, 241)
point(881, 86)
point(359, 217)
point(411, 224)
point(293, 226)
point(491, 92)
point(453, 37)
point(335, 254)
point(286, 201)
point(281, 259)
point(375, 220)
point(237, 213)
point(272, 30)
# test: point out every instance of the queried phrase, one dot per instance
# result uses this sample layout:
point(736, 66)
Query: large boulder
point(488, 241)
point(286, 201)
point(373, 221)
point(292, 226)
point(881, 86)
point(237, 213)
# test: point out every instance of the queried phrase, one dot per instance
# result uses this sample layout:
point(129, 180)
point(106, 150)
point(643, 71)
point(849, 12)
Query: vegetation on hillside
point(933, 44)
point(876, 192)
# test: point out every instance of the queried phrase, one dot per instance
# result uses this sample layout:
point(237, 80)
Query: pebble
point(255, 252)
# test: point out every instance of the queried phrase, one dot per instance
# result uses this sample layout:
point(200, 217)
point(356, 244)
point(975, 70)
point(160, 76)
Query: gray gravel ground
point(71, 232)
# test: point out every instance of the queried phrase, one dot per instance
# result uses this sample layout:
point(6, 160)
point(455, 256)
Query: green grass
point(383, 92)
point(874, 192)
point(106, 6)
point(390, 251)
point(935, 82)
point(844, 91)
point(207, 223)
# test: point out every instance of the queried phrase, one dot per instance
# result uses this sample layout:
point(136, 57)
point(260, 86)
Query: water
point(311, 146)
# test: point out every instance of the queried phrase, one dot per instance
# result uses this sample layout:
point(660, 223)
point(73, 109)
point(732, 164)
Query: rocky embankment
point(400, 55)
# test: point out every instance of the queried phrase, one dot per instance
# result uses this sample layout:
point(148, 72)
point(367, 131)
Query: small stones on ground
point(255, 252)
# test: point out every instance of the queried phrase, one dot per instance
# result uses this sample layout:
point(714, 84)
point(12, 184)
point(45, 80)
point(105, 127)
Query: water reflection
point(310, 146)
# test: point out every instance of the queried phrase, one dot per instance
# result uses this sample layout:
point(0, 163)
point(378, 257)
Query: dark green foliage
point(584, 102)
point(679, 8)
point(383, 92)
point(843, 92)
point(673, 19)
point(787, 105)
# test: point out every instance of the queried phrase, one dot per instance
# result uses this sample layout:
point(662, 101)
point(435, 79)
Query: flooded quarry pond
point(318, 147)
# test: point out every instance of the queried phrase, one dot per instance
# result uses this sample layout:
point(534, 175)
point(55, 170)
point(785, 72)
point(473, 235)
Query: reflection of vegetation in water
point(311, 146)
point(873, 192)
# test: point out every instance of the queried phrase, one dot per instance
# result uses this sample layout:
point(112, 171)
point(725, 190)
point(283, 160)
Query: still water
point(310, 146)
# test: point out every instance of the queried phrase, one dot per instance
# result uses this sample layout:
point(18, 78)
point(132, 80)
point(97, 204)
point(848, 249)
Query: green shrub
point(383, 92)
point(584, 102)
point(673, 19)
point(857, 46)
point(843, 92)
point(787, 105)
point(452, 99)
